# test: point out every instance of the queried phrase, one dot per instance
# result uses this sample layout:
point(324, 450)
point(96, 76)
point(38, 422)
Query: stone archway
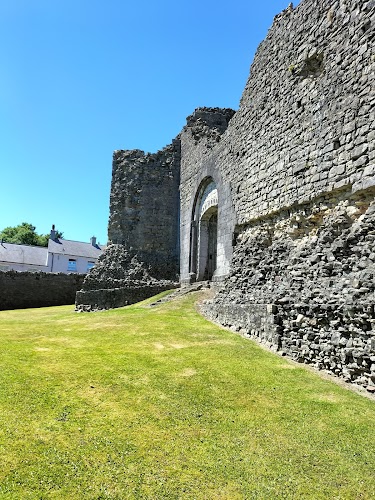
point(203, 240)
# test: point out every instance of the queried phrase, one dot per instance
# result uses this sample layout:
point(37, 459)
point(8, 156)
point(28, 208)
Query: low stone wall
point(21, 290)
point(256, 320)
point(119, 278)
point(337, 338)
point(110, 298)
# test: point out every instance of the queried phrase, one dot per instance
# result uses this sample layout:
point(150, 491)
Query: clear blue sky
point(81, 78)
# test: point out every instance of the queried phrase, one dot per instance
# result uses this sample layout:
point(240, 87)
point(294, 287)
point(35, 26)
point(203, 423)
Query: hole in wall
point(234, 238)
point(312, 66)
point(365, 26)
point(336, 144)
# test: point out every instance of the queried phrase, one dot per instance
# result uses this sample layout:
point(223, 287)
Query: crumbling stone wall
point(143, 256)
point(303, 282)
point(144, 206)
point(21, 290)
point(119, 278)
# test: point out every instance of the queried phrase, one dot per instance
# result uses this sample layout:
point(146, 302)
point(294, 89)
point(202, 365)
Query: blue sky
point(81, 78)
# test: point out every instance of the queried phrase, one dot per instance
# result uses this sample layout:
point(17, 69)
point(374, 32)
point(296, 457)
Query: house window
point(90, 265)
point(72, 265)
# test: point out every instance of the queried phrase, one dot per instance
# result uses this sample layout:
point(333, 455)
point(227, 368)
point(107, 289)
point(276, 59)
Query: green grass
point(158, 403)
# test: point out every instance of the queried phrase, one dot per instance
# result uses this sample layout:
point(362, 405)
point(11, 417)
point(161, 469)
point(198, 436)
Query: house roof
point(75, 248)
point(23, 254)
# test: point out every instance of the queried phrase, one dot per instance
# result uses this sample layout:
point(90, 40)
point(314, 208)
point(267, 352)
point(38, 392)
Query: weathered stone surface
point(320, 298)
point(120, 278)
point(144, 206)
point(19, 290)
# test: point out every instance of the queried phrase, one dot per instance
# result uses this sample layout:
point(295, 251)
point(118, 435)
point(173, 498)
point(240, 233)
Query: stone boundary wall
point(110, 298)
point(21, 290)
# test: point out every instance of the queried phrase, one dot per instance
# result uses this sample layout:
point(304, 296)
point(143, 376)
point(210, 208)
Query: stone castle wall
point(21, 290)
point(305, 125)
point(306, 120)
point(142, 258)
point(293, 172)
point(299, 156)
point(144, 206)
point(299, 160)
point(200, 139)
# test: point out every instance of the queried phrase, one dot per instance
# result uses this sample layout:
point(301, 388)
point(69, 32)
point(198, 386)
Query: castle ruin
point(273, 203)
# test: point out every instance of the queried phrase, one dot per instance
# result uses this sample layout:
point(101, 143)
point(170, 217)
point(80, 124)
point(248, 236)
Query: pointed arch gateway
point(203, 235)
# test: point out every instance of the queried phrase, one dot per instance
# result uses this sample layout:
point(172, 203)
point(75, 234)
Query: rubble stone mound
point(119, 279)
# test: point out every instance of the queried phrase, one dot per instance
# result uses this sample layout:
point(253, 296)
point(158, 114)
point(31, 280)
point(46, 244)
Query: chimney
point(53, 233)
point(93, 241)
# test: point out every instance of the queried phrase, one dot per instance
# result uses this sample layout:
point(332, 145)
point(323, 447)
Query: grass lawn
point(158, 403)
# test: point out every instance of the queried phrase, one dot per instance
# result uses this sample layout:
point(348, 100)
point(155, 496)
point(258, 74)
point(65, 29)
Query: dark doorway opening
point(212, 246)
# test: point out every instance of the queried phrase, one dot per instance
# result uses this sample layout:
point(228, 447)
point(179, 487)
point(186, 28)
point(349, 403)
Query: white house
point(61, 256)
point(67, 256)
point(23, 258)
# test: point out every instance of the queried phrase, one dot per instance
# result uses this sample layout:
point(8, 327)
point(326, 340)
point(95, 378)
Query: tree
point(25, 234)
